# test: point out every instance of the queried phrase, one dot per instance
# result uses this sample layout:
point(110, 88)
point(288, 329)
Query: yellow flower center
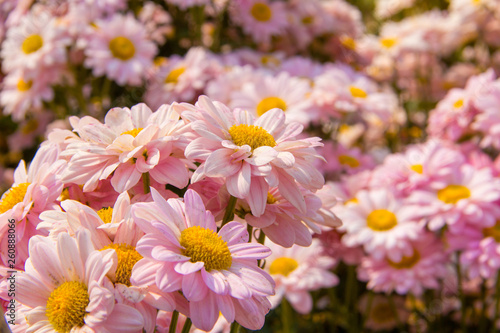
point(204, 245)
point(269, 103)
point(270, 198)
point(415, 132)
point(348, 42)
point(453, 193)
point(32, 44)
point(64, 195)
point(127, 257)
point(269, 60)
point(418, 168)
point(173, 76)
point(66, 306)
point(357, 92)
point(24, 85)
point(381, 220)
point(493, 231)
point(261, 12)
point(307, 20)
point(382, 313)
point(458, 103)
point(283, 266)
point(13, 196)
point(30, 126)
point(105, 214)
point(388, 42)
point(134, 132)
point(122, 48)
point(254, 136)
point(353, 200)
point(349, 161)
point(406, 262)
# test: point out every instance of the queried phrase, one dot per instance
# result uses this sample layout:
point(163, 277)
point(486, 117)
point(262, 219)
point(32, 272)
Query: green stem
point(250, 231)
point(394, 310)
point(286, 316)
point(261, 240)
point(348, 296)
point(461, 294)
point(173, 322)
point(146, 182)
point(367, 309)
point(497, 305)
point(229, 214)
point(482, 318)
point(187, 325)
point(235, 327)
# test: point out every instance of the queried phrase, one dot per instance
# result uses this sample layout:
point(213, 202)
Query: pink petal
point(193, 287)
point(290, 191)
point(257, 197)
point(205, 313)
point(238, 184)
point(124, 319)
point(250, 251)
point(234, 233)
point(216, 281)
point(188, 267)
point(125, 177)
point(219, 164)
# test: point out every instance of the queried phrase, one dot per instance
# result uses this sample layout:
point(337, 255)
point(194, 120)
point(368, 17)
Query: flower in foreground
point(66, 287)
point(216, 271)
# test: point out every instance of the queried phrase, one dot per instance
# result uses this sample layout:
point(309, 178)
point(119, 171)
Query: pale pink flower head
point(422, 269)
point(222, 87)
point(131, 142)
point(119, 48)
point(468, 195)
point(216, 271)
point(34, 191)
point(35, 42)
point(252, 154)
point(487, 122)
point(380, 222)
point(262, 19)
point(343, 160)
point(282, 91)
point(66, 287)
point(297, 271)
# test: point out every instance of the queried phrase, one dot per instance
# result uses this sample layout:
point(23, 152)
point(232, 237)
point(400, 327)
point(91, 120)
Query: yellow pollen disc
point(357, 92)
point(458, 104)
point(388, 42)
point(32, 44)
point(204, 245)
point(30, 126)
point(344, 128)
point(158, 61)
point(122, 48)
point(348, 42)
point(382, 313)
point(66, 306)
point(134, 132)
point(453, 193)
point(24, 85)
point(283, 266)
point(353, 200)
point(381, 220)
point(418, 168)
point(105, 214)
point(269, 60)
point(13, 196)
point(270, 198)
point(269, 103)
point(493, 231)
point(415, 132)
point(173, 76)
point(406, 262)
point(349, 161)
point(307, 20)
point(127, 257)
point(64, 195)
point(254, 136)
point(261, 12)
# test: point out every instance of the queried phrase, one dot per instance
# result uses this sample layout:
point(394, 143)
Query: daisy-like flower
point(66, 287)
point(282, 91)
point(35, 42)
point(129, 143)
point(383, 224)
point(216, 271)
point(119, 49)
point(340, 159)
point(412, 274)
point(252, 155)
point(297, 271)
point(260, 18)
point(467, 196)
point(34, 191)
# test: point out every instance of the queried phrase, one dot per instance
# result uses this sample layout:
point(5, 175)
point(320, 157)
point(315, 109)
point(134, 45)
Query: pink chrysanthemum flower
point(488, 121)
point(468, 195)
point(66, 287)
point(283, 91)
point(297, 271)
point(381, 223)
point(131, 142)
point(412, 274)
point(285, 225)
point(35, 42)
point(34, 191)
point(262, 19)
point(252, 155)
point(342, 160)
point(119, 49)
point(216, 271)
